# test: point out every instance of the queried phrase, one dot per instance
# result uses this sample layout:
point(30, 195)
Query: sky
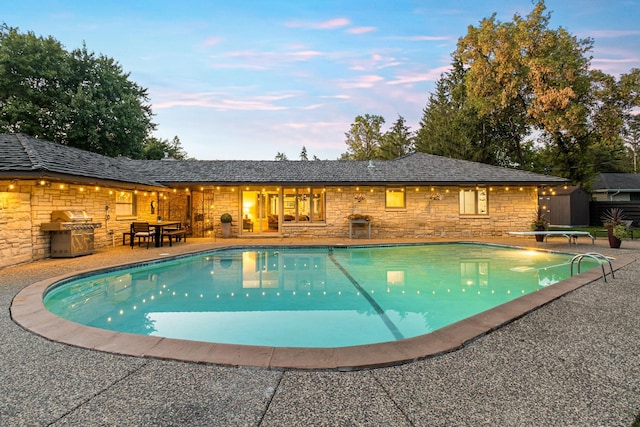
point(248, 80)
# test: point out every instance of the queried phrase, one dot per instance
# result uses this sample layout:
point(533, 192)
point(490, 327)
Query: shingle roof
point(628, 182)
point(30, 157)
point(412, 169)
point(29, 154)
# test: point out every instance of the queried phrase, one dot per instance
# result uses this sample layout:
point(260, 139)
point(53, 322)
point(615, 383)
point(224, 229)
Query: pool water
point(307, 296)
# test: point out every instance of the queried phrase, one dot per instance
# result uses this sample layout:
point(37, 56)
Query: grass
point(596, 232)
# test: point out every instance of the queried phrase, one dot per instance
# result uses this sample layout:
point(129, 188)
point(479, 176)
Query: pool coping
point(28, 310)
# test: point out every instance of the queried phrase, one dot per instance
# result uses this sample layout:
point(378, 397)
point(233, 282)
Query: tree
point(450, 125)
point(281, 156)
point(525, 76)
point(34, 72)
point(72, 98)
point(630, 89)
point(364, 138)
point(397, 141)
point(632, 139)
point(303, 153)
point(157, 149)
point(109, 113)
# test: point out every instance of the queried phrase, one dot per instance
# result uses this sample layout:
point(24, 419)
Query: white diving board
point(570, 235)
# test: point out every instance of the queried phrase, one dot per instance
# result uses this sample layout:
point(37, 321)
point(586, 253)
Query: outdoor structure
point(616, 187)
point(566, 205)
point(616, 190)
point(418, 195)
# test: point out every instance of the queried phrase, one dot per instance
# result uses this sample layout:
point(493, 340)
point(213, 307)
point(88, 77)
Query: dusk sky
point(246, 80)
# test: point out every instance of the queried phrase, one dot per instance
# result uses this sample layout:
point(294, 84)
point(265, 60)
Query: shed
point(567, 206)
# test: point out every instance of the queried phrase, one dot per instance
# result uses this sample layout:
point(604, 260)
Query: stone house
point(418, 195)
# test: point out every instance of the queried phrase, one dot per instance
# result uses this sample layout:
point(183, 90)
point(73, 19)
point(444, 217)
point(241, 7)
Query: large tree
point(629, 88)
point(398, 141)
point(72, 98)
point(364, 138)
point(450, 126)
point(528, 77)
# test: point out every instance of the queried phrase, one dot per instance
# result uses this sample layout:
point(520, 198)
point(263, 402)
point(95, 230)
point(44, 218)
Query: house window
point(304, 205)
point(125, 203)
point(394, 198)
point(473, 201)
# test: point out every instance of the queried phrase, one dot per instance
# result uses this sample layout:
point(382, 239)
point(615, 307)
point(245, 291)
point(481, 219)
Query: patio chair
point(141, 230)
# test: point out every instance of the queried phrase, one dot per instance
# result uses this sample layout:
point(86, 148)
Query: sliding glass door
point(260, 210)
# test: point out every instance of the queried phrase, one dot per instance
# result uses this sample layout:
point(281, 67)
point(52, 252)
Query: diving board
point(570, 235)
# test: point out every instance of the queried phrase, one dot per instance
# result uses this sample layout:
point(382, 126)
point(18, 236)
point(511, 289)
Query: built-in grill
point(71, 233)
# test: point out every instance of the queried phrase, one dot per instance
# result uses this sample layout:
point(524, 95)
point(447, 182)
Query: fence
point(631, 211)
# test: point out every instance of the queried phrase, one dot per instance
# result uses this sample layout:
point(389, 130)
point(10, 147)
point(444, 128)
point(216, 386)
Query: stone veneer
point(25, 206)
point(509, 209)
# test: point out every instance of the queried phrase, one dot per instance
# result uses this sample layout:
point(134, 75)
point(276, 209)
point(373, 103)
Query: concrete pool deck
point(574, 361)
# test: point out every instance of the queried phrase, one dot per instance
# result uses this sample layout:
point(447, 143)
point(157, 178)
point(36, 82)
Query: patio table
point(158, 226)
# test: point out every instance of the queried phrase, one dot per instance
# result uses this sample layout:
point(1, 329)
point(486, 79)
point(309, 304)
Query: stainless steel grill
point(71, 233)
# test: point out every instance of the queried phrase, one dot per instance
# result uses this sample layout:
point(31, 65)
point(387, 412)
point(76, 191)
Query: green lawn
point(596, 231)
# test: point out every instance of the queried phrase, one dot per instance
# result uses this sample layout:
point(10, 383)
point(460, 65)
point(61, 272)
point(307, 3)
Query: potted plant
point(225, 220)
point(539, 222)
point(614, 220)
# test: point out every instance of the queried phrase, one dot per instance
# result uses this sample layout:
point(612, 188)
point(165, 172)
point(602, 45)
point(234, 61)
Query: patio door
point(260, 210)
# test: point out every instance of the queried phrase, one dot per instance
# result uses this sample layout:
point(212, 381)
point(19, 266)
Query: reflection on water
point(306, 296)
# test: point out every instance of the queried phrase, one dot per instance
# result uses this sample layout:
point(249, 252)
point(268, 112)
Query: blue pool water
point(307, 297)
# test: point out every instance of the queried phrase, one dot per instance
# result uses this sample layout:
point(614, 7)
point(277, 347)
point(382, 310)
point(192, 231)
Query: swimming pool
point(307, 297)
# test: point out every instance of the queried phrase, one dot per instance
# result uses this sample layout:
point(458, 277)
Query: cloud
point(422, 38)
point(431, 75)
point(293, 56)
point(238, 66)
point(322, 25)
point(313, 107)
point(615, 61)
point(614, 66)
point(601, 34)
point(336, 96)
point(303, 55)
point(222, 102)
point(362, 82)
point(211, 41)
point(361, 30)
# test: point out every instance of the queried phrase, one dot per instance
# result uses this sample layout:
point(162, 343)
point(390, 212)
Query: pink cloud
point(211, 41)
point(361, 30)
point(222, 102)
point(295, 56)
point(422, 38)
point(363, 82)
point(432, 75)
point(323, 25)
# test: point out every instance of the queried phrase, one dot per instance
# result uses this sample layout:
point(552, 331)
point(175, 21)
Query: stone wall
point(15, 228)
point(510, 209)
point(27, 204)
